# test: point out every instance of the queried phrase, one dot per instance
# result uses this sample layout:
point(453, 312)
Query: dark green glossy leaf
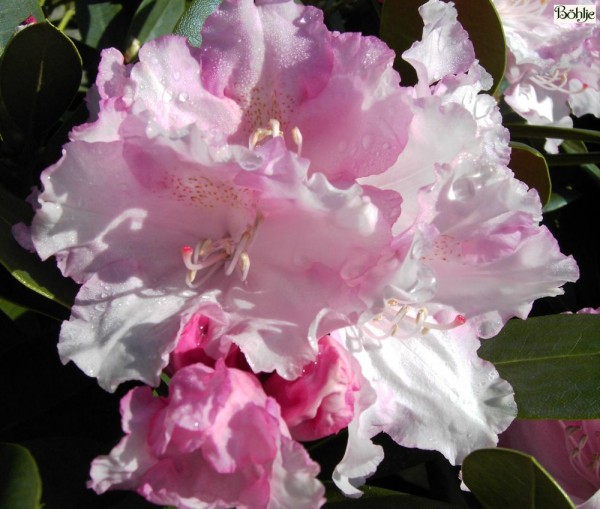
point(12, 310)
point(529, 166)
point(154, 18)
point(40, 73)
point(20, 484)
point(100, 22)
point(552, 363)
point(502, 478)
point(41, 277)
point(14, 12)
point(401, 25)
point(543, 132)
point(579, 147)
point(380, 498)
point(192, 21)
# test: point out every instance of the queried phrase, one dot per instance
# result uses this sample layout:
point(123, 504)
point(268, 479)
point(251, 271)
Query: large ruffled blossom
point(217, 441)
point(260, 230)
point(552, 68)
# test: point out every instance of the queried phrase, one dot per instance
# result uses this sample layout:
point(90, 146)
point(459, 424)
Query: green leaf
point(552, 363)
point(40, 73)
point(573, 159)
point(543, 132)
point(41, 277)
point(555, 202)
point(530, 166)
point(502, 478)
point(12, 310)
point(98, 22)
point(379, 498)
point(20, 484)
point(154, 18)
point(578, 147)
point(401, 26)
point(14, 12)
point(191, 23)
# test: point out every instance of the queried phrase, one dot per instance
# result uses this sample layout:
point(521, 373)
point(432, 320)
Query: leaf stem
point(66, 18)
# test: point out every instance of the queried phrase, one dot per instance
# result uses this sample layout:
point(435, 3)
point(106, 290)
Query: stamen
point(457, 322)
point(244, 265)
point(209, 255)
point(395, 318)
point(595, 464)
point(557, 81)
point(237, 253)
point(297, 137)
point(274, 130)
point(570, 430)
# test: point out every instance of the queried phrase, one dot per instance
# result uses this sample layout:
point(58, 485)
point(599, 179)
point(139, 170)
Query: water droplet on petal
point(183, 97)
point(461, 189)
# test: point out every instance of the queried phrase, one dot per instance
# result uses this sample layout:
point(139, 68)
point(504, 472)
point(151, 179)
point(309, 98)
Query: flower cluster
point(552, 68)
point(302, 243)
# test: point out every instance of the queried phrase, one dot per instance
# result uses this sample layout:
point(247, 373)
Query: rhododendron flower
point(552, 68)
point(277, 185)
point(284, 255)
point(217, 441)
point(259, 230)
point(469, 223)
point(321, 401)
point(569, 450)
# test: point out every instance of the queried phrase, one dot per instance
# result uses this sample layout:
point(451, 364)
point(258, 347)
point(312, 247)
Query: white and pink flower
point(267, 189)
point(552, 68)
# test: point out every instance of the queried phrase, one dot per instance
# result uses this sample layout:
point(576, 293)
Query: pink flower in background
point(552, 68)
point(217, 441)
point(569, 450)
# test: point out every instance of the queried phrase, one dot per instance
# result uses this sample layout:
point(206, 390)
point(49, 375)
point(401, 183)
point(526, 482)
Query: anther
point(297, 137)
point(244, 265)
point(239, 250)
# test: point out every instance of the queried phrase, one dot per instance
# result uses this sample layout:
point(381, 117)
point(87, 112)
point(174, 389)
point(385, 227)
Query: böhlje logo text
point(574, 13)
